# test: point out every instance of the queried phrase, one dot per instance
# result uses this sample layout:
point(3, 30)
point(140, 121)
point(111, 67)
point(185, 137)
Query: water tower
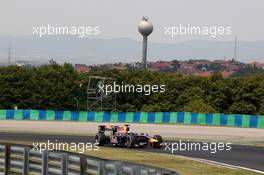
point(145, 27)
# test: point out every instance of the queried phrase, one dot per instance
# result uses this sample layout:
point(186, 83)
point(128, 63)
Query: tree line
point(60, 87)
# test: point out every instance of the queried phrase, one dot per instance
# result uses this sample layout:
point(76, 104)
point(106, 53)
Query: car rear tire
point(100, 138)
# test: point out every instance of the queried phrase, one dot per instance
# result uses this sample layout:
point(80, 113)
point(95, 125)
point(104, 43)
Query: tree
point(242, 108)
point(151, 108)
point(199, 106)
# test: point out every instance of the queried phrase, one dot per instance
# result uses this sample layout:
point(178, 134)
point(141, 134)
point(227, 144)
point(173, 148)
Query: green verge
point(184, 166)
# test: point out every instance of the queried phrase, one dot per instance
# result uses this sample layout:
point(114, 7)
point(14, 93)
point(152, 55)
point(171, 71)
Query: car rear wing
point(103, 128)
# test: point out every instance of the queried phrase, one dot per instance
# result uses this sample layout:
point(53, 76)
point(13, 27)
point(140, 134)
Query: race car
point(121, 136)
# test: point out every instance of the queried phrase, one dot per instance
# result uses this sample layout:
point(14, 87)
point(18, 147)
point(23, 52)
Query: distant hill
point(90, 51)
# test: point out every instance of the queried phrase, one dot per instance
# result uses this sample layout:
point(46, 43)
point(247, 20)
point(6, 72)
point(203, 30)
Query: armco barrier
point(19, 159)
point(232, 120)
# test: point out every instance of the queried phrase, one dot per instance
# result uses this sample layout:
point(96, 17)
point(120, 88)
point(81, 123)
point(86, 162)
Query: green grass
point(184, 166)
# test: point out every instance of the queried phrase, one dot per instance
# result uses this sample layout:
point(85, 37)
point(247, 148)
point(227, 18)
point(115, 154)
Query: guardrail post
point(152, 172)
point(7, 159)
point(136, 170)
point(26, 161)
point(83, 166)
point(64, 163)
point(119, 168)
point(44, 168)
point(101, 167)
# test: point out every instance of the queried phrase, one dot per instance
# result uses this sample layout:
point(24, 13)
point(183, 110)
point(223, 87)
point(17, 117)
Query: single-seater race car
point(121, 136)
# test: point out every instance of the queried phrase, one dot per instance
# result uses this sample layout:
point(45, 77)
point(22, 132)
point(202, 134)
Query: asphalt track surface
point(244, 156)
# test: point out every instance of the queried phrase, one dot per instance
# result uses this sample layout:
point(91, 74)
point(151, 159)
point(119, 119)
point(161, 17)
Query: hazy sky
point(119, 18)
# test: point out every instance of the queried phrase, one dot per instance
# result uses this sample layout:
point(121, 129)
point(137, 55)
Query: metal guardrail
point(19, 159)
